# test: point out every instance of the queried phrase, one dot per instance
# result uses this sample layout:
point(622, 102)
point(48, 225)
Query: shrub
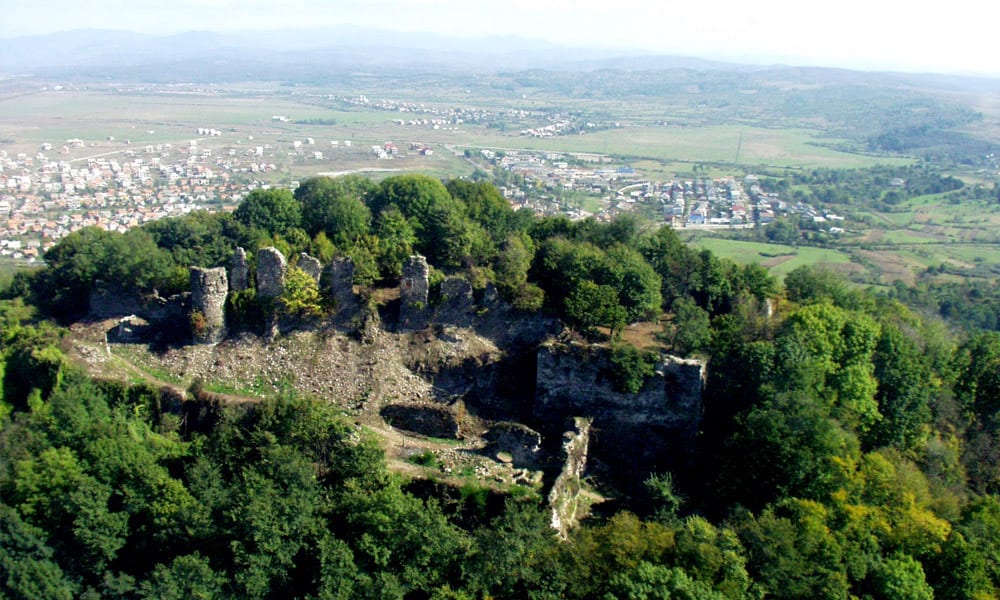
point(631, 366)
point(425, 459)
point(246, 312)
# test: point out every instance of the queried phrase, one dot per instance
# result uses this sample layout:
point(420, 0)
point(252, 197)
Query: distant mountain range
point(316, 54)
point(91, 52)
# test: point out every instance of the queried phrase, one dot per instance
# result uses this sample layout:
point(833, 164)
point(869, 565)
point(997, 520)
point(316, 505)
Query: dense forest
point(850, 445)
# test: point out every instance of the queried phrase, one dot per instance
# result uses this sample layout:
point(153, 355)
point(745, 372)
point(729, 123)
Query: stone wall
point(424, 419)
point(522, 443)
point(109, 301)
point(684, 382)
point(564, 497)
point(456, 302)
point(209, 288)
point(413, 294)
point(239, 271)
point(271, 266)
point(653, 430)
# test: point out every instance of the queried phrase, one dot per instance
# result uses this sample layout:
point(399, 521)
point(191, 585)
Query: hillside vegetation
point(849, 447)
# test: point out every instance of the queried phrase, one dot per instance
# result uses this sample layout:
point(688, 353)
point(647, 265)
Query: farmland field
point(662, 138)
point(53, 116)
point(778, 258)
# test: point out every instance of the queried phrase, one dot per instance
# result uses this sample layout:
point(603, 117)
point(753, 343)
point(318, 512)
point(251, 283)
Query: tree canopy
point(848, 447)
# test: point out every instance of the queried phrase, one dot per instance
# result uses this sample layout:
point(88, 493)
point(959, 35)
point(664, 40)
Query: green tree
point(713, 288)
point(623, 229)
point(54, 492)
point(275, 211)
point(562, 264)
point(443, 232)
point(636, 282)
point(590, 306)
point(335, 206)
point(904, 389)
point(976, 384)
point(677, 264)
point(74, 264)
point(199, 238)
point(33, 361)
point(365, 253)
point(512, 265)
point(712, 556)
point(27, 568)
point(658, 582)
point(691, 328)
point(980, 528)
point(630, 367)
point(511, 268)
point(510, 554)
point(784, 231)
point(396, 241)
point(755, 280)
point(813, 284)
point(828, 351)
point(187, 576)
point(793, 554)
point(272, 519)
point(129, 262)
point(485, 206)
point(787, 447)
point(322, 248)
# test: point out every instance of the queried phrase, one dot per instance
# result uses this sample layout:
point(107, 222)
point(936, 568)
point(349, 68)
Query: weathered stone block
point(456, 294)
point(111, 301)
point(239, 278)
point(271, 266)
point(339, 282)
point(413, 293)
point(311, 266)
point(209, 288)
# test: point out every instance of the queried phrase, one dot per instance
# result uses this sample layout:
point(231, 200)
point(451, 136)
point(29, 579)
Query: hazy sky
point(953, 36)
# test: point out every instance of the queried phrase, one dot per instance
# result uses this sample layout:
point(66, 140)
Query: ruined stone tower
point(239, 271)
point(208, 298)
point(271, 265)
point(340, 283)
point(413, 294)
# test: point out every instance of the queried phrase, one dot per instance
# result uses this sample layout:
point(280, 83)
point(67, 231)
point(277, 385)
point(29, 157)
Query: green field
point(711, 144)
point(778, 258)
point(52, 116)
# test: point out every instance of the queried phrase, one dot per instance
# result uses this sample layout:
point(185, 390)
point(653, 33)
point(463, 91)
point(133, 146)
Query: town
point(65, 187)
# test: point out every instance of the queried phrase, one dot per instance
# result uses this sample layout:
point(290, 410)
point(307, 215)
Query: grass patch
point(425, 459)
point(151, 371)
point(778, 258)
point(711, 144)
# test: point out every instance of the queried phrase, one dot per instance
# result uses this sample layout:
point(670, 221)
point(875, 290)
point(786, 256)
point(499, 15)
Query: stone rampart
point(652, 430)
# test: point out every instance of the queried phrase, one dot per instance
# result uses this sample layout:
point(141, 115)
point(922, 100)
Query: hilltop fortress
point(436, 361)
